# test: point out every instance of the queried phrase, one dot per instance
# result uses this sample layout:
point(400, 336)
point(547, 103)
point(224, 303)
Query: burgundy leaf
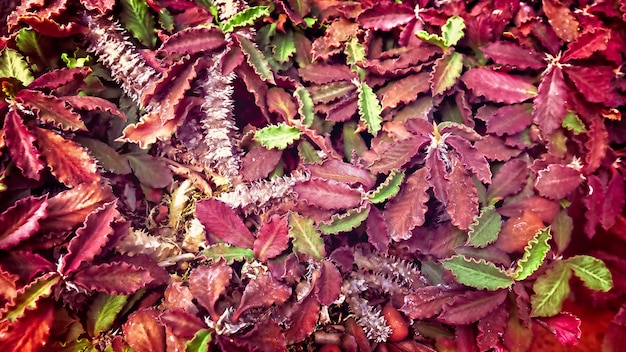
point(471, 158)
point(115, 278)
point(330, 92)
point(386, 15)
point(181, 323)
point(407, 209)
point(207, 283)
point(377, 230)
point(102, 6)
point(178, 296)
point(561, 19)
point(272, 238)
point(281, 103)
point(26, 264)
point(90, 239)
point(221, 221)
point(586, 44)
point(328, 285)
point(549, 105)
point(437, 176)
point(193, 40)
point(491, 327)
point(614, 200)
point(494, 148)
point(595, 83)
point(398, 154)
point(498, 86)
point(343, 110)
point(60, 77)
point(94, 103)
point(426, 302)
point(471, 306)
point(51, 109)
point(405, 90)
point(21, 144)
point(170, 90)
point(594, 202)
point(143, 331)
point(159, 275)
point(596, 145)
point(321, 73)
point(266, 335)
point(404, 62)
point(259, 162)
point(557, 181)
point(461, 195)
point(21, 221)
point(510, 119)
point(150, 170)
point(328, 194)
point(510, 54)
point(263, 291)
point(465, 338)
point(522, 301)
point(302, 319)
point(335, 169)
point(565, 326)
point(509, 180)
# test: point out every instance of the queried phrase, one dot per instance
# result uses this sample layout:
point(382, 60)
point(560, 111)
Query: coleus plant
point(302, 175)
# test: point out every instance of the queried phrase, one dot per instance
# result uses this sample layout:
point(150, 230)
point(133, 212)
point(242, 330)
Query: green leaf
point(452, 31)
point(307, 239)
point(369, 108)
point(13, 64)
point(355, 52)
point(200, 341)
point(28, 42)
point(246, 17)
point(230, 253)
point(283, 46)
point(256, 59)
point(534, 254)
point(74, 61)
point(277, 136)
point(345, 222)
point(432, 39)
point(572, 122)
point(389, 188)
point(107, 157)
point(166, 20)
point(135, 16)
point(28, 298)
point(446, 72)
point(562, 228)
point(305, 105)
point(308, 153)
point(103, 311)
point(591, 271)
point(478, 274)
point(353, 142)
point(551, 289)
point(485, 228)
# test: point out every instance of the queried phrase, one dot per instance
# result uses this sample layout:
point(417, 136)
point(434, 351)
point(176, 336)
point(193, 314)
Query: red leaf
point(495, 149)
point(171, 88)
point(549, 105)
point(90, 239)
point(471, 306)
point(561, 19)
point(565, 326)
point(614, 200)
point(262, 291)
point(405, 90)
point(398, 154)
point(595, 83)
point(377, 230)
point(335, 169)
point(321, 73)
point(221, 220)
point(491, 327)
point(403, 62)
point(29, 333)
point(21, 144)
point(518, 231)
point(510, 54)
point(546, 209)
point(407, 209)
point(69, 162)
point(52, 28)
point(437, 176)
point(498, 86)
point(259, 162)
point(328, 194)
point(143, 331)
point(386, 16)
point(281, 103)
point(328, 285)
point(266, 335)
point(178, 296)
point(94, 103)
point(509, 180)
point(207, 283)
point(472, 159)
point(596, 145)
point(102, 6)
point(26, 264)
point(342, 110)
point(193, 40)
point(594, 202)
point(8, 288)
point(517, 337)
point(302, 320)
point(115, 278)
point(587, 44)
point(21, 221)
point(462, 196)
point(510, 119)
point(59, 77)
point(150, 170)
point(182, 324)
point(426, 302)
point(557, 181)
point(51, 109)
point(150, 129)
point(272, 238)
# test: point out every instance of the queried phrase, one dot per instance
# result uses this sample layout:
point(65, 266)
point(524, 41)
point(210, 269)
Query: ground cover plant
point(303, 175)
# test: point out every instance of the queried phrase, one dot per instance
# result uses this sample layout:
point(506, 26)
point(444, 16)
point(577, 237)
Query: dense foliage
point(297, 175)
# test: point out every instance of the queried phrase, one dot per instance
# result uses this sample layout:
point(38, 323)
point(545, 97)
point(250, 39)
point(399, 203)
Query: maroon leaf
point(614, 200)
point(494, 148)
point(266, 335)
point(407, 209)
point(26, 264)
point(510, 119)
point(328, 285)
point(21, 144)
point(335, 169)
point(596, 145)
point(471, 306)
point(549, 105)
point(259, 162)
point(321, 73)
point(51, 109)
point(221, 221)
point(491, 327)
point(565, 326)
point(115, 278)
point(437, 176)
point(586, 44)
point(302, 320)
point(594, 202)
point(262, 291)
point(150, 170)
point(405, 90)
point(342, 110)
point(561, 19)
point(102, 6)
point(386, 15)
point(207, 283)
point(21, 221)
point(403, 62)
point(281, 103)
point(557, 181)
point(595, 83)
point(59, 77)
point(461, 195)
point(328, 194)
point(94, 103)
point(143, 331)
point(90, 239)
point(181, 323)
point(272, 238)
point(193, 40)
point(509, 180)
point(398, 154)
point(426, 302)
point(505, 53)
point(471, 158)
point(170, 90)
point(377, 230)
point(498, 86)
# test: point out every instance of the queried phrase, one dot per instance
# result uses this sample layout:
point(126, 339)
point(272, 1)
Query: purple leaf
point(404, 90)
point(150, 170)
point(181, 323)
point(262, 291)
point(437, 175)
point(321, 73)
point(614, 200)
point(471, 306)
point(143, 331)
point(509, 180)
point(272, 238)
point(207, 283)
point(594, 202)
point(407, 209)
point(398, 154)
point(498, 86)
point(595, 83)
point(510, 119)
point(21, 221)
point(377, 230)
point(328, 194)
point(60, 77)
point(426, 302)
point(334, 169)
point(328, 284)
point(494, 148)
point(221, 221)
point(94, 103)
point(114, 278)
point(21, 144)
point(26, 264)
point(386, 15)
point(557, 181)
point(472, 159)
point(193, 40)
point(259, 163)
point(565, 326)
point(510, 54)
point(51, 109)
point(549, 105)
point(545, 208)
point(461, 195)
